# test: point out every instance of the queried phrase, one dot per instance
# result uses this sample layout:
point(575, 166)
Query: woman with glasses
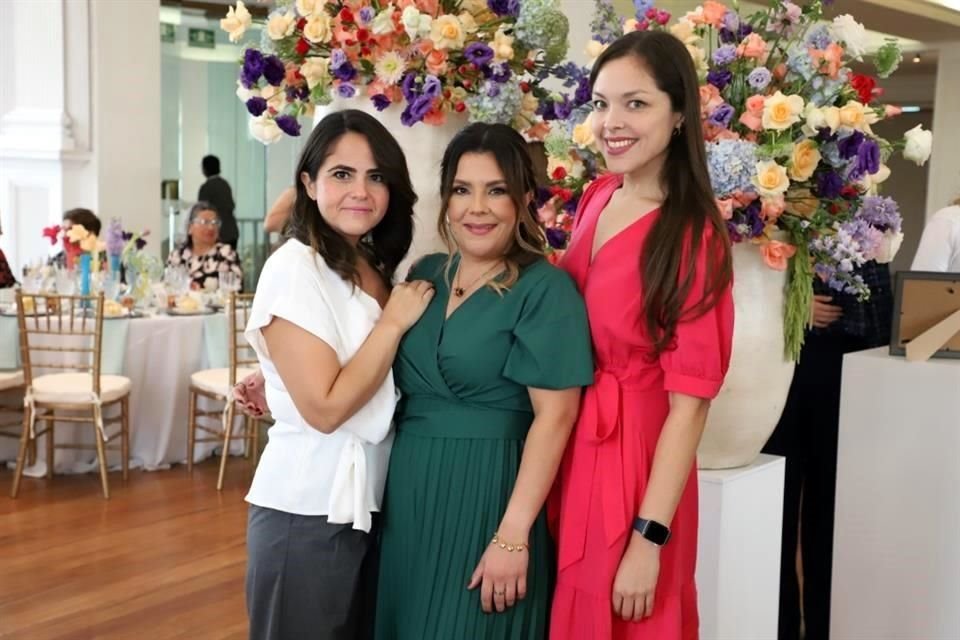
point(204, 257)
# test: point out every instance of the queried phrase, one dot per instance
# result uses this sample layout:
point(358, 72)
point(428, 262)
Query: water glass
point(229, 281)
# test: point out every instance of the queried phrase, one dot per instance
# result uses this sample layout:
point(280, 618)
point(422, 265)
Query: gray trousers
point(308, 579)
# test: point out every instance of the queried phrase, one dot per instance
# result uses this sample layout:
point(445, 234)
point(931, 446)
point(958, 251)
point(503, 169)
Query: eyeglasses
point(206, 223)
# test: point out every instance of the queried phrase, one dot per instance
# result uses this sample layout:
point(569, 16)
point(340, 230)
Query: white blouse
point(303, 471)
point(939, 248)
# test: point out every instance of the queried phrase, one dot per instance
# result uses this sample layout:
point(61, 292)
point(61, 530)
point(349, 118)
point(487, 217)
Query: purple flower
point(346, 90)
point(731, 21)
point(880, 212)
point(256, 106)
point(493, 89)
point(725, 55)
point(505, 7)
point(478, 53)
point(409, 86)
point(759, 78)
point(114, 238)
point(583, 94)
point(868, 157)
point(501, 73)
point(380, 101)
point(366, 15)
point(273, 70)
point(288, 124)
point(829, 185)
point(345, 72)
point(850, 146)
point(727, 36)
point(722, 115)
point(432, 86)
point(416, 110)
point(563, 108)
point(337, 58)
point(556, 238)
point(252, 67)
point(719, 78)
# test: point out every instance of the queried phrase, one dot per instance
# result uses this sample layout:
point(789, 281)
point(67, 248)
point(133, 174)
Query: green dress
point(460, 432)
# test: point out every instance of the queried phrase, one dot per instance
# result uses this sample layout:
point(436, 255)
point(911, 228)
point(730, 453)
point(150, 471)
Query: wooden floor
point(163, 558)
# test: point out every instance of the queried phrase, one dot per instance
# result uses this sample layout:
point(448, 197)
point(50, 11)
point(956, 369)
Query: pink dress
point(607, 464)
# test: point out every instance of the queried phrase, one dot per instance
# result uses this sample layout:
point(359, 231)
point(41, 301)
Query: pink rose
point(772, 208)
point(710, 99)
point(776, 254)
point(725, 205)
point(713, 13)
point(890, 111)
point(752, 46)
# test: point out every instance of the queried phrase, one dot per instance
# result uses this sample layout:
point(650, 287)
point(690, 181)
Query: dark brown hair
point(85, 218)
point(509, 149)
point(388, 242)
point(689, 214)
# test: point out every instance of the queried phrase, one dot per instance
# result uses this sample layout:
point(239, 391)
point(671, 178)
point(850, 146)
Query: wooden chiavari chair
point(79, 387)
point(217, 385)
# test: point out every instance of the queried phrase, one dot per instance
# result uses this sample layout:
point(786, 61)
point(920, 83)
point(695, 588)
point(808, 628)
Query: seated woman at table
point(89, 221)
point(204, 257)
point(7, 279)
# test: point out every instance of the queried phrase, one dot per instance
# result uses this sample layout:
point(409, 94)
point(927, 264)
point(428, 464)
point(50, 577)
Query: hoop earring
point(676, 132)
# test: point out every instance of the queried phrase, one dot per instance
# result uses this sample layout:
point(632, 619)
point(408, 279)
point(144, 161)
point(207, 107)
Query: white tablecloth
point(161, 352)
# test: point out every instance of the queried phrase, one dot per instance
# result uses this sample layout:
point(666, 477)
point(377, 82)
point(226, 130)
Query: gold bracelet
point(520, 546)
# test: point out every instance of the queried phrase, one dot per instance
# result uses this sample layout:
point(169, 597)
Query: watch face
point(652, 531)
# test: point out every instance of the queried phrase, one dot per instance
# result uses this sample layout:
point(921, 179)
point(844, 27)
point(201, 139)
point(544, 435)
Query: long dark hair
point(388, 242)
point(689, 209)
point(509, 149)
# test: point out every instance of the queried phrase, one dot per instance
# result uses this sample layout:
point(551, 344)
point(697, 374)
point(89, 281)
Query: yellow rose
point(857, 116)
point(502, 46)
point(804, 160)
point(317, 29)
point(316, 70)
point(469, 24)
point(529, 104)
point(821, 118)
point(306, 8)
point(683, 31)
point(447, 33)
point(594, 49)
point(781, 112)
point(771, 179)
point(281, 25)
point(583, 133)
point(630, 25)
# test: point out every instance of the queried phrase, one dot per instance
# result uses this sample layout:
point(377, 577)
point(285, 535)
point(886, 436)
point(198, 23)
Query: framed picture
point(922, 300)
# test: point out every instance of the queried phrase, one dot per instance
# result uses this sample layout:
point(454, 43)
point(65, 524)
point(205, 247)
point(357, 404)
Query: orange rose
point(752, 46)
point(713, 13)
point(437, 62)
point(776, 254)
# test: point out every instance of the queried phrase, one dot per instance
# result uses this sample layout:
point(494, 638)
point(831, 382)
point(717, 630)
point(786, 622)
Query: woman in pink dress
point(651, 257)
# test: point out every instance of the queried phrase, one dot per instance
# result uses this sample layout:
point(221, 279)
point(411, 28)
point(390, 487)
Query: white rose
point(316, 70)
point(889, 246)
point(919, 145)
point(245, 94)
point(468, 23)
point(237, 22)
point(821, 118)
point(265, 129)
point(307, 7)
point(414, 23)
point(476, 7)
point(281, 25)
point(502, 46)
point(851, 33)
point(317, 29)
point(383, 22)
point(447, 33)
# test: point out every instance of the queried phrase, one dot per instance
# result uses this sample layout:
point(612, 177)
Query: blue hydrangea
point(799, 63)
point(819, 37)
point(732, 164)
point(499, 108)
point(542, 26)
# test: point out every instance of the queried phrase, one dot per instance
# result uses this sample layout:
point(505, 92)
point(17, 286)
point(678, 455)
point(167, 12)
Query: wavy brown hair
point(509, 149)
point(689, 214)
point(388, 242)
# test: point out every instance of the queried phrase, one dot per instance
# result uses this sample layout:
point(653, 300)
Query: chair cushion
point(11, 379)
point(75, 388)
point(217, 380)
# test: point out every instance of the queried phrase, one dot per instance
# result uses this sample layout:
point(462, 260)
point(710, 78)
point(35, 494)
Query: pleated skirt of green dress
point(444, 499)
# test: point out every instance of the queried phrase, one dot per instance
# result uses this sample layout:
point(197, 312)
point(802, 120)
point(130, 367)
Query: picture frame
point(922, 299)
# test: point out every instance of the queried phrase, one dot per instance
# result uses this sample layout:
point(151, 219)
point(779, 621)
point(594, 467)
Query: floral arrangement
point(77, 242)
point(485, 58)
point(120, 244)
point(793, 160)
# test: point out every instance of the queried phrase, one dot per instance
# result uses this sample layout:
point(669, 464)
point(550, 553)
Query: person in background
point(807, 436)
point(280, 211)
point(939, 248)
point(202, 254)
point(7, 279)
point(83, 217)
point(216, 191)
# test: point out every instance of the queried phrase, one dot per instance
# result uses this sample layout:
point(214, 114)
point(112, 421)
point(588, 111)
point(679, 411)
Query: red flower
point(52, 233)
point(302, 46)
point(460, 107)
point(525, 87)
point(364, 51)
point(301, 23)
point(864, 86)
point(559, 173)
point(363, 35)
point(346, 15)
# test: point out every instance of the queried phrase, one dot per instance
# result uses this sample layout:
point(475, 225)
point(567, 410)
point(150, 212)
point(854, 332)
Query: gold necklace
point(459, 291)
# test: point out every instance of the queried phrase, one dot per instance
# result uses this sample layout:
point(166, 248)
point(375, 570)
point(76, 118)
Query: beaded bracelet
point(520, 546)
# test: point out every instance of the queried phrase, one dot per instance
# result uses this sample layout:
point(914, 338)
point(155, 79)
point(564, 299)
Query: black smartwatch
point(652, 530)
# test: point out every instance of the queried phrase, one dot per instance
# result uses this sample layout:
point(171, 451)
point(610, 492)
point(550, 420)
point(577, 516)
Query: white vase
point(746, 411)
point(423, 144)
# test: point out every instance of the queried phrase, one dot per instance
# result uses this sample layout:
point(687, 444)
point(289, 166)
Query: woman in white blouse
point(326, 348)
point(939, 248)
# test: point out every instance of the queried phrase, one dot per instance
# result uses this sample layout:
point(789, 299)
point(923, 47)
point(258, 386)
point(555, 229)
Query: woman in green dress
point(491, 378)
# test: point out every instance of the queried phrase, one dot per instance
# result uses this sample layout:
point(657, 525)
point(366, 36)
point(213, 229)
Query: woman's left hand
point(636, 581)
point(502, 577)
